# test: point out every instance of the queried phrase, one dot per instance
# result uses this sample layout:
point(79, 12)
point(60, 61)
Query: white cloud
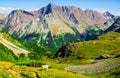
point(6, 10)
point(115, 12)
point(33, 9)
point(100, 10)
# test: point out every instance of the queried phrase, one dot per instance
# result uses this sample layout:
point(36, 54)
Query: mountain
point(115, 26)
point(2, 17)
point(54, 26)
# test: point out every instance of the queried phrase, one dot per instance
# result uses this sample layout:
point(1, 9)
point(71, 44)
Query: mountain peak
point(108, 14)
point(50, 8)
point(21, 11)
point(51, 5)
point(17, 10)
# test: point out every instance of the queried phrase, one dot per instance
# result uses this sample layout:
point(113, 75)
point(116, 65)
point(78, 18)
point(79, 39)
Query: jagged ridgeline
point(54, 26)
point(115, 26)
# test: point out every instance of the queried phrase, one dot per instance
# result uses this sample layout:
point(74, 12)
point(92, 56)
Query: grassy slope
point(37, 52)
point(20, 44)
point(107, 46)
point(31, 47)
point(7, 37)
point(16, 50)
point(89, 51)
point(6, 54)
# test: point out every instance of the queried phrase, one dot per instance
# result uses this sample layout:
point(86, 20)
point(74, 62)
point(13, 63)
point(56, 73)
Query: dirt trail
point(17, 50)
point(96, 67)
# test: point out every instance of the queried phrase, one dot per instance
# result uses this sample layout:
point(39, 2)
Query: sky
point(6, 6)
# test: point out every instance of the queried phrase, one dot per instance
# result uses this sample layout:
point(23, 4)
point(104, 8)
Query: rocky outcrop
point(2, 17)
point(115, 26)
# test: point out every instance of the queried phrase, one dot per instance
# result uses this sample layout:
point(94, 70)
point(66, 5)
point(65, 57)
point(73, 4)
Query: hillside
point(6, 54)
point(105, 47)
point(4, 39)
point(54, 26)
point(99, 58)
point(19, 48)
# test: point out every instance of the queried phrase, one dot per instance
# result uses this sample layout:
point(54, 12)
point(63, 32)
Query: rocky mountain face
point(115, 26)
point(54, 26)
point(2, 17)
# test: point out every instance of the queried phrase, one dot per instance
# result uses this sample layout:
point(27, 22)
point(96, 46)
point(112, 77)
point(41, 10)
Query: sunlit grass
point(15, 71)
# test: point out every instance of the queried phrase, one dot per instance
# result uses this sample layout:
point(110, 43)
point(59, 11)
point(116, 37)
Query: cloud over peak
point(100, 10)
point(6, 10)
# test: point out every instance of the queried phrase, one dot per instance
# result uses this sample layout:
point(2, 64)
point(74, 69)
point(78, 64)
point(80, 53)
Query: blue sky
point(101, 5)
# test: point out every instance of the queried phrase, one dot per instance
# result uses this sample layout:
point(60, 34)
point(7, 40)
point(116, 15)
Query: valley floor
point(96, 70)
point(9, 70)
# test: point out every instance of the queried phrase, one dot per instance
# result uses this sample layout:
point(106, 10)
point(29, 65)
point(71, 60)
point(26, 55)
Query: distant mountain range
point(54, 26)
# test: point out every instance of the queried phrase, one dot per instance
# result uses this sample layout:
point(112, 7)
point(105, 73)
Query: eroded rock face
point(115, 26)
point(2, 17)
point(54, 26)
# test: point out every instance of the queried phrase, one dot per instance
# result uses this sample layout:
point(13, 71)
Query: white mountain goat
point(45, 67)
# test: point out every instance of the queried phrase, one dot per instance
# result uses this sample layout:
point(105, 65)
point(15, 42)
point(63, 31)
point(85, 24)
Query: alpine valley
point(72, 42)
